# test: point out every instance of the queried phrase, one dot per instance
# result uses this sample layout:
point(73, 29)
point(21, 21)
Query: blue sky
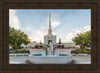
point(66, 23)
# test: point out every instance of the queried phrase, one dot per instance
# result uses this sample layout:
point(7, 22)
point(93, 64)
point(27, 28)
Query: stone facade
point(48, 39)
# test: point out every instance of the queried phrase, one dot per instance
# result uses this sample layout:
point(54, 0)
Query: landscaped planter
point(19, 54)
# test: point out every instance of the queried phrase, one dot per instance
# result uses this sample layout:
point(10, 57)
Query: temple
point(49, 37)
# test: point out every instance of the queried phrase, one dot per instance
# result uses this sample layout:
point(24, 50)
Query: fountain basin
point(50, 59)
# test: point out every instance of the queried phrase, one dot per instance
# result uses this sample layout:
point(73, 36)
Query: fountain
point(50, 57)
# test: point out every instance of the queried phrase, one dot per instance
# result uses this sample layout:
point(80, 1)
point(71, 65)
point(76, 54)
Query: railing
point(73, 54)
point(19, 54)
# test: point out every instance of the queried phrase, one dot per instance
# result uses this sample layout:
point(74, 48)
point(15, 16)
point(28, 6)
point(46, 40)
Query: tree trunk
point(18, 46)
point(81, 46)
point(15, 47)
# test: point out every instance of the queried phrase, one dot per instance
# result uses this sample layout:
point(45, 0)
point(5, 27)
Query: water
point(51, 55)
point(50, 52)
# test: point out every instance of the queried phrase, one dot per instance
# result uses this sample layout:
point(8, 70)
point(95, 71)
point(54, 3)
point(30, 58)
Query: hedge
point(18, 51)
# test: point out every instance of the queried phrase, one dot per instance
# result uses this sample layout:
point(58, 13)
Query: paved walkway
point(77, 59)
point(81, 59)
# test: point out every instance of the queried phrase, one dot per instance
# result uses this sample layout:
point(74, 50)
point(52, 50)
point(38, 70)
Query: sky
point(65, 23)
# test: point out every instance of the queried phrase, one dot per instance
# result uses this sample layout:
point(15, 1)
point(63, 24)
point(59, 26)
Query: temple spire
point(50, 21)
point(49, 31)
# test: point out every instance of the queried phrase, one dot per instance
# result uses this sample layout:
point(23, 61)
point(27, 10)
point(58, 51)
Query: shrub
point(36, 46)
point(85, 51)
point(77, 51)
point(88, 51)
point(18, 51)
point(41, 46)
point(62, 46)
point(12, 51)
point(72, 51)
point(21, 47)
point(81, 51)
point(59, 46)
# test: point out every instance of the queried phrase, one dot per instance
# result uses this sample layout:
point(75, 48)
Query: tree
point(34, 41)
point(17, 37)
point(83, 39)
point(40, 42)
point(59, 40)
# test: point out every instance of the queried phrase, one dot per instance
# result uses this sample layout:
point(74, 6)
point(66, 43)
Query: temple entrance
point(49, 41)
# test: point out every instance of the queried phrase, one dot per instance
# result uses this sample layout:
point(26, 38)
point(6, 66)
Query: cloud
point(37, 35)
point(13, 19)
point(72, 35)
point(54, 33)
point(34, 34)
point(55, 23)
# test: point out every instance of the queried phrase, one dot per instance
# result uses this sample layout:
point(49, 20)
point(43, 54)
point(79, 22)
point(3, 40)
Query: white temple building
point(50, 38)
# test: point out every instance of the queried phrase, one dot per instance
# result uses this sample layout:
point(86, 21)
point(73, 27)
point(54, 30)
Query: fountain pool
point(48, 55)
point(60, 59)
